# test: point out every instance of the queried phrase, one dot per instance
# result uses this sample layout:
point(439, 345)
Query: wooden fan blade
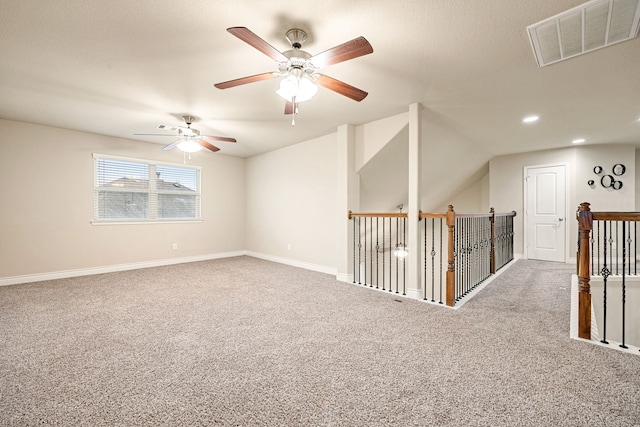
point(341, 87)
point(349, 50)
point(245, 80)
point(205, 144)
point(172, 145)
point(252, 39)
point(289, 107)
point(218, 138)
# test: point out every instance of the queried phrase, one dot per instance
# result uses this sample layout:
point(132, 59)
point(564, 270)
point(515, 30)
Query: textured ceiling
point(121, 67)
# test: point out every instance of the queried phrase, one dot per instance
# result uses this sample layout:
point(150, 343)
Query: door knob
point(560, 219)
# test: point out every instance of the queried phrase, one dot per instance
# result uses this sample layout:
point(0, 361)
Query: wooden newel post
point(585, 224)
point(451, 278)
point(493, 241)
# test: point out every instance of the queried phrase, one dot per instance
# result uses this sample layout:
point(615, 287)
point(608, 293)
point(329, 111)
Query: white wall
point(506, 183)
point(606, 199)
point(46, 179)
point(291, 200)
point(473, 199)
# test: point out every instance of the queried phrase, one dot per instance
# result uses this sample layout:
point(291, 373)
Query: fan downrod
point(296, 37)
point(189, 120)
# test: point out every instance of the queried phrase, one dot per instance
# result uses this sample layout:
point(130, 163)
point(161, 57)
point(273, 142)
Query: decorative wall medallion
point(616, 185)
point(597, 170)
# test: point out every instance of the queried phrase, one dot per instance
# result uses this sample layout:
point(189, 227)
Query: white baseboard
point(344, 277)
point(113, 268)
point(294, 263)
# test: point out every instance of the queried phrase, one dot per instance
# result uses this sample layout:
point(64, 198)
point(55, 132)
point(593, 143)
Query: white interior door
point(546, 212)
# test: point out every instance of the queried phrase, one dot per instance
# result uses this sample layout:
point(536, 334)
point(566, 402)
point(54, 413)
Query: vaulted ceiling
point(121, 67)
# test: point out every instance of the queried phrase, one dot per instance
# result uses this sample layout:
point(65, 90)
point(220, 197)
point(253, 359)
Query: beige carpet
point(247, 342)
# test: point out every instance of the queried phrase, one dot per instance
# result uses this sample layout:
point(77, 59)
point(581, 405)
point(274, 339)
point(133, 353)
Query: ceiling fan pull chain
point(295, 110)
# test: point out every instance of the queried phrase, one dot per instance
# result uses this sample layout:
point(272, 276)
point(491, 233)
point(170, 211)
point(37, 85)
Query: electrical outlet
point(174, 246)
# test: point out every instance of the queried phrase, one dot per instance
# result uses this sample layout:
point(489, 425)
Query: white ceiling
point(121, 67)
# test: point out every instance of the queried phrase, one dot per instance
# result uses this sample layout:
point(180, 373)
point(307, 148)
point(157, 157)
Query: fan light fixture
point(189, 145)
point(294, 88)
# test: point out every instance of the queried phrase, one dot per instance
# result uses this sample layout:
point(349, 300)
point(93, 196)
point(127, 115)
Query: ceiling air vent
point(593, 25)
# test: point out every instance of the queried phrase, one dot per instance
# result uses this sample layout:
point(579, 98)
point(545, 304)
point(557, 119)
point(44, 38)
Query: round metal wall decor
point(597, 170)
point(607, 181)
point(616, 185)
point(619, 169)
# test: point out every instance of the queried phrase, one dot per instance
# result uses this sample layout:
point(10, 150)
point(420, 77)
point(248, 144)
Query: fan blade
point(341, 87)
point(289, 107)
point(218, 138)
point(172, 145)
point(205, 144)
point(349, 50)
point(245, 80)
point(250, 38)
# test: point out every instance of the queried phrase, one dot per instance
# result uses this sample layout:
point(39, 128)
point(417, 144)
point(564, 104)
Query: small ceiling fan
point(189, 139)
point(300, 68)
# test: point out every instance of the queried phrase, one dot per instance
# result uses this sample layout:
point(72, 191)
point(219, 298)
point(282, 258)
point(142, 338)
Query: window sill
point(129, 222)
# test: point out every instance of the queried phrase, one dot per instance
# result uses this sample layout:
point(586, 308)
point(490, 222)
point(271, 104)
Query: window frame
point(151, 191)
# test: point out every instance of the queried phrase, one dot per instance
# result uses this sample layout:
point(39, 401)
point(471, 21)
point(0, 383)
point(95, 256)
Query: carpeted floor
point(247, 342)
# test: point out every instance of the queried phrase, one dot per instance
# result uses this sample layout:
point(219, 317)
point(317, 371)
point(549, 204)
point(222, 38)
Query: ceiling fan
point(189, 139)
point(300, 69)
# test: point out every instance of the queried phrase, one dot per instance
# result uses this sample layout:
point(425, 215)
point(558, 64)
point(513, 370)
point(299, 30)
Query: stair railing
point(608, 252)
point(460, 251)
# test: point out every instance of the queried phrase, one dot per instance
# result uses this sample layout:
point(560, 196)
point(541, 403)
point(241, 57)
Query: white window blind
point(145, 191)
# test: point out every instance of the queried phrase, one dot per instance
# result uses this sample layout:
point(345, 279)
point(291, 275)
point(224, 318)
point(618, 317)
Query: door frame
point(567, 230)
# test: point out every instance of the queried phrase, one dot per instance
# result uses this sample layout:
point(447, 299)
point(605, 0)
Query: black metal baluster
point(353, 219)
point(424, 281)
point(384, 259)
point(616, 245)
point(610, 246)
point(365, 252)
point(433, 257)
point(377, 251)
point(396, 254)
point(390, 253)
point(404, 258)
point(598, 241)
point(629, 248)
point(371, 253)
point(605, 274)
point(359, 250)
point(624, 288)
point(441, 261)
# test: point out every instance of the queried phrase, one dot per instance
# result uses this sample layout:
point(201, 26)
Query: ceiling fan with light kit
point(189, 139)
point(299, 69)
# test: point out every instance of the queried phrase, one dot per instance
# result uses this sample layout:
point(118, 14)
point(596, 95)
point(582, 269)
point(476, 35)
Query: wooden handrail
point(463, 215)
point(616, 216)
point(378, 214)
point(423, 215)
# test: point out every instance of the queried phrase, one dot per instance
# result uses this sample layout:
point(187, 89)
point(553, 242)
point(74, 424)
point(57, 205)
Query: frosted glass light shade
point(302, 88)
point(189, 145)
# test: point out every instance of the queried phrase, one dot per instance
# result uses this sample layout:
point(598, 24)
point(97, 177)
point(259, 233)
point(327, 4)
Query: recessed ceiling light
point(578, 141)
point(530, 119)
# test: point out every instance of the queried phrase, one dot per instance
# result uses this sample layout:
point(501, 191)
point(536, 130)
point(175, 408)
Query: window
point(127, 190)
